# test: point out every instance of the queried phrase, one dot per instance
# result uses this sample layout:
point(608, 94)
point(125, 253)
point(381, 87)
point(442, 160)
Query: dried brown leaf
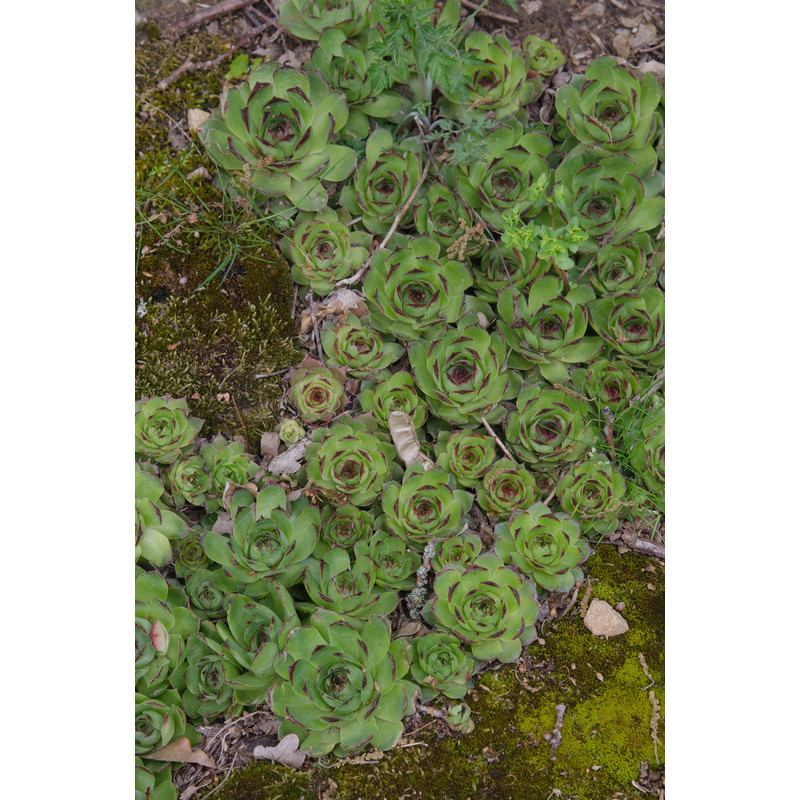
point(270, 444)
point(181, 750)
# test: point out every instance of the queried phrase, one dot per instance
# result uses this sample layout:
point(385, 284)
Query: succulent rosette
point(549, 427)
point(466, 455)
point(151, 786)
point(496, 76)
point(383, 181)
point(463, 549)
point(611, 383)
point(343, 526)
point(489, 606)
point(622, 266)
point(515, 174)
point(395, 564)
point(544, 546)
point(350, 462)
point(646, 443)
point(547, 330)
point(187, 481)
point(228, 463)
point(189, 554)
point(207, 590)
point(290, 431)
point(633, 324)
point(440, 666)
point(609, 107)
point(438, 213)
point(542, 56)
point(392, 393)
point(592, 493)
point(343, 689)
point(426, 507)
point(316, 391)
point(506, 487)
point(605, 193)
point(306, 19)
point(273, 137)
point(253, 634)
point(267, 542)
point(359, 348)
point(156, 525)
point(507, 265)
point(164, 429)
point(322, 249)
point(162, 625)
point(159, 721)
point(458, 716)
point(463, 374)
point(412, 292)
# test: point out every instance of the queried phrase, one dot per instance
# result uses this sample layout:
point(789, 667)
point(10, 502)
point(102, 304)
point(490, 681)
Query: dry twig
point(310, 301)
point(485, 12)
point(205, 15)
point(499, 443)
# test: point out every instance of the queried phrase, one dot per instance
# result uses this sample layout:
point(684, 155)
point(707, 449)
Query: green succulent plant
point(159, 721)
point(609, 107)
point(463, 549)
point(426, 507)
point(228, 463)
point(496, 78)
point(307, 19)
point(207, 591)
point(189, 555)
point(547, 330)
point(395, 564)
point(439, 213)
point(549, 427)
point(466, 455)
point(633, 325)
point(440, 666)
point(412, 292)
point(291, 431)
point(343, 689)
point(463, 374)
point(273, 138)
point(395, 392)
point(613, 383)
point(592, 493)
point(316, 391)
point(383, 181)
point(343, 526)
point(542, 56)
point(154, 787)
point(489, 606)
point(458, 716)
point(506, 487)
point(358, 347)
point(267, 541)
point(544, 546)
point(156, 525)
point(646, 445)
point(187, 480)
point(507, 266)
point(623, 266)
point(323, 249)
point(350, 461)
point(164, 429)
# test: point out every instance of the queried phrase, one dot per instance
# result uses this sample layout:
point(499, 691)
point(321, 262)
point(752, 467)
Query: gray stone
point(602, 620)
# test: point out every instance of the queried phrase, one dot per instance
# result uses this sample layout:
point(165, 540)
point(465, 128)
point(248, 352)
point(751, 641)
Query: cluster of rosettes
point(512, 317)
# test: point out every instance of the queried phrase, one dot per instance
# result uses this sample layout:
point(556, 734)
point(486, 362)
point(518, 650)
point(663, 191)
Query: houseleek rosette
point(646, 444)
point(633, 324)
point(466, 455)
point(159, 721)
point(187, 481)
point(153, 787)
point(383, 182)
point(228, 463)
point(358, 347)
point(611, 383)
point(189, 554)
point(609, 107)
point(343, 689)
point(162, 625)
point(438, 213)
point(164, 429)
point(515, 174)
point(389, 393)
point(322, 249)
point(273, 137)
point(458, 716)
point(156, 525)
point(350, 461)
point(463, 374)
point(507, 265)
point(489, 606)
point(605, 193)
point(463, 549)
point(412, 292)
point(549, 427)
point(306, 19)
point(267, 542)
point(395, 564)
point(343, 526)
point(496, 77)
point(622, 266)
point(316, 391)
point(253, 634)
point(426, 507)
point(506, 487)
point(542, 56)
point(290, 431)
point(592, 493)
point(544, 546)
point(440, 666)
point(207, 591)
point(547, 330)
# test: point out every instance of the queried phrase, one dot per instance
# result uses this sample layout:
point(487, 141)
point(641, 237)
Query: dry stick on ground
point(400, 214)
point(644, 547)
point(484, 12)
point(555, 737)
point(500, 444)
point(310, 301)
point(205, 15)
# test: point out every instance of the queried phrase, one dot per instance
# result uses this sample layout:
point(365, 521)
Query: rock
point(602, 620)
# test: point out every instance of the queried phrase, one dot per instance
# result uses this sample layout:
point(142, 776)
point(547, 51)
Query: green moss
point(264, 781)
